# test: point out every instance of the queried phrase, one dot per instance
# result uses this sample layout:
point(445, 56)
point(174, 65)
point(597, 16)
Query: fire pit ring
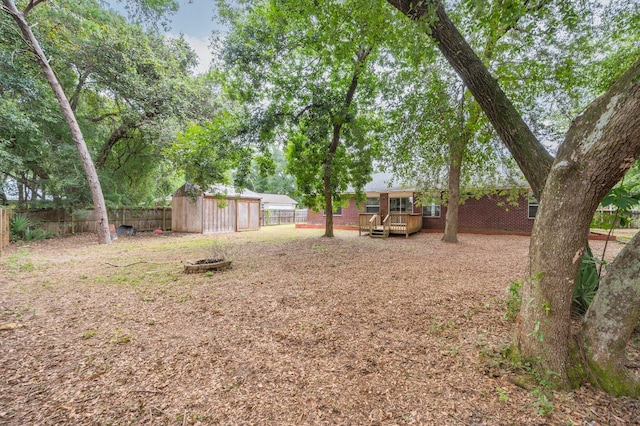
point(205, 265)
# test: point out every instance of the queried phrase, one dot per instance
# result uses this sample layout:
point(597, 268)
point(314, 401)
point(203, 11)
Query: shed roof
point(231, 191)
point(218, 190)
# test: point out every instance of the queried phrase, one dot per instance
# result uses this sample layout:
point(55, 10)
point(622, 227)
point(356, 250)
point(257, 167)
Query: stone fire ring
point(205, 265)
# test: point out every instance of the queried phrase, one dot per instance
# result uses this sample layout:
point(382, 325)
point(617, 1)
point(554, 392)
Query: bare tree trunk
point(90, 171)
point(599, 148)
point(555, 254)
point(457, 146)
point(609, 322)
point(21, 191)
point(328, 201)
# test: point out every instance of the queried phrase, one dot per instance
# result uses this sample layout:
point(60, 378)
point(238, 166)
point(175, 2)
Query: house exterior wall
point(349, 216)
point(490, 213)
point(494, 213)
point(384, 204)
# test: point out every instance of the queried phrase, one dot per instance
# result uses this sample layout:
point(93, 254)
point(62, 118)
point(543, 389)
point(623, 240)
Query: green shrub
point(38, 234)
point(586, 284)
point(19, 226)
point(514, 300)
point(22, 228)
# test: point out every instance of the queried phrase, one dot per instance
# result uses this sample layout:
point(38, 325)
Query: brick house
point(489, 213)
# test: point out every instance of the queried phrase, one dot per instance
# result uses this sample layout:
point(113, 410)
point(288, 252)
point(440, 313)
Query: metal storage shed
point(220, 209)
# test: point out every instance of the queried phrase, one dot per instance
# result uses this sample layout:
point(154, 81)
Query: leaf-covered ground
point(302, 330)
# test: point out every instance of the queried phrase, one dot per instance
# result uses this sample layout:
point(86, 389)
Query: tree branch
point(101, 117)
point(115, 137)
point(31, 5)
point(75, 98)
point(531, 156)
point(492, 41)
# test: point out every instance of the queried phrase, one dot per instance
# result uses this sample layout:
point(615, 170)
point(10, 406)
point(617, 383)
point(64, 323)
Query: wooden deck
point(395, 223)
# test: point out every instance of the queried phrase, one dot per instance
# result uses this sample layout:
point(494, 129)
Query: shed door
point(243, 215)
point(254, 215)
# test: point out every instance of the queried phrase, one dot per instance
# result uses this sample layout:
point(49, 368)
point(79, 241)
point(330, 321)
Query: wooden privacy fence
point(142, 219)
point(4, 229)
point(282, 217)
point(64, 222)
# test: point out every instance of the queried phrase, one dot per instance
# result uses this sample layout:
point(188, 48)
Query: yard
point(302, 330)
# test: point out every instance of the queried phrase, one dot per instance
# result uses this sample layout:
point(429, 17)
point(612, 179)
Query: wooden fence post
point(4, 229)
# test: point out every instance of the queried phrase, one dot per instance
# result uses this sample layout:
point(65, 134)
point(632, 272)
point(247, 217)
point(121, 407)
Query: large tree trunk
point(457, 146)
point(609, 322)
point(599, 148)
point(328, 201)
point(555, 254)
point(92, 177)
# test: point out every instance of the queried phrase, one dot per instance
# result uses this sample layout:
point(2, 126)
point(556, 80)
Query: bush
point(514, 300)
point(21, 228)
point(586, 284)
point(38, 234)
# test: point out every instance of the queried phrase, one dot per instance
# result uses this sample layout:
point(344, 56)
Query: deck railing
point(367, 221)
point(393, 223)
point(405, 223)
point(386, 225)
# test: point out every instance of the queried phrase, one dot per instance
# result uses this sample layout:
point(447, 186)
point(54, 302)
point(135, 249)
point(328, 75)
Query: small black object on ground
point(127, 230)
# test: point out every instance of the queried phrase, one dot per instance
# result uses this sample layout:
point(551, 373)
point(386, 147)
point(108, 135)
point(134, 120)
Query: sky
point(196, 19)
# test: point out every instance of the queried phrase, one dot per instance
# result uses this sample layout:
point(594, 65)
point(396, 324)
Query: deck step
point(378, 233)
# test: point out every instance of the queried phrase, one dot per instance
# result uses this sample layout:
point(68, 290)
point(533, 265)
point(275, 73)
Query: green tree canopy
point(314, 73)
point(131, 90)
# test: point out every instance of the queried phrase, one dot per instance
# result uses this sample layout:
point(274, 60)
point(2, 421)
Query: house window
point(533, 207)
point(401, 205)
point(373, 205)
point(432, 210)
point(337, 212)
